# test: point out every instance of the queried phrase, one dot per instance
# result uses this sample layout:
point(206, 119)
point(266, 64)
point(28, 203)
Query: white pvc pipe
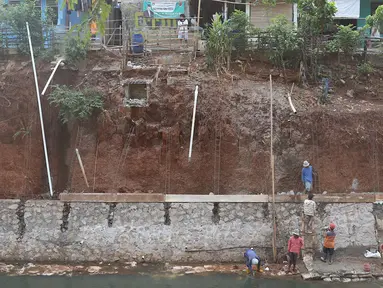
point(295, 14)
point(40, 113)
point(50, 77)
point(193, 121)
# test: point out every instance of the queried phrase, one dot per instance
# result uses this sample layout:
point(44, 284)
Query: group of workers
point(296, 243)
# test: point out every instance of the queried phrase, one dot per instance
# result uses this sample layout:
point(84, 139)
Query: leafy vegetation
point(365, 68)
point(99, 14)
point(376, 20)
point(316, 17)
point(75, 105)
point(76, 48)
point(346, 40)
point(240, 28)
point(284, 43)
point(219, 43)
point(14, 18)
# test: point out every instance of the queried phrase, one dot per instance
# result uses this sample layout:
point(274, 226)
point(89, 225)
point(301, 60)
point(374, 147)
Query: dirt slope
point(231, 142)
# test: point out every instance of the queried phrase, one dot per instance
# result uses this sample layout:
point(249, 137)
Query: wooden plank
point(112, 197)
point(160, 198)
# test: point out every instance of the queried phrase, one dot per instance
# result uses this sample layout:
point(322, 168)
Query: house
point(349, 12)
point(261, 15)
point(355, 11)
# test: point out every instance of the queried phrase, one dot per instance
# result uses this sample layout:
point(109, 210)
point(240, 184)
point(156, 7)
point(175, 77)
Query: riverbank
point(345, 269)
point(126, 268)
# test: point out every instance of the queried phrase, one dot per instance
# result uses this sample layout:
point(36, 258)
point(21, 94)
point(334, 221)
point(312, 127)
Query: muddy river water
point(186, 281)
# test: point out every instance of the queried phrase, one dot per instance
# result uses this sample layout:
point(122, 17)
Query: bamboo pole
point(274, 240)
point(82, 167)
point(197, 37)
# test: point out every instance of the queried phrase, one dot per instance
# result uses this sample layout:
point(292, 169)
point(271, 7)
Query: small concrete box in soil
point(137, 92)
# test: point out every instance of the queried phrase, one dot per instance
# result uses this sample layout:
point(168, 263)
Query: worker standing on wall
point(307, 176)
point(252, 259)
point(309, 207)
point(329, 243)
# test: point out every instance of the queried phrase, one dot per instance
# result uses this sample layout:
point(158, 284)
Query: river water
point(145, 281)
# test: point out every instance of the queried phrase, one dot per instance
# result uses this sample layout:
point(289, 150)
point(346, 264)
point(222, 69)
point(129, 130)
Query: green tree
point(14, 18)
point(240, 29)
point(99, 14)
point(316, 16)
point(284, 43)
point(376, 20)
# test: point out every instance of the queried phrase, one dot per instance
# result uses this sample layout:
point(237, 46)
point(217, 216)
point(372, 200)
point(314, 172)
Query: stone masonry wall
point(42, 230)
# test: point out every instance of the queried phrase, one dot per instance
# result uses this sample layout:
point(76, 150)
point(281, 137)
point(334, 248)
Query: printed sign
point(163, 9)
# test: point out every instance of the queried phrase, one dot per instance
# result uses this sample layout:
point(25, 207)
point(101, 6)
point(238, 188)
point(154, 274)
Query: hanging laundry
point(85, 5)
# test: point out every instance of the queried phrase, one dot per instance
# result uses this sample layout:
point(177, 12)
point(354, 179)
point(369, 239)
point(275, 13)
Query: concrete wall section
point(355, 224)
point(159, 232)
point(8, 227)
point(42, 237)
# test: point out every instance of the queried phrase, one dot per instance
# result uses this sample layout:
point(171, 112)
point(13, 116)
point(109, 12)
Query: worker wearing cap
point(329, 243)
point(307, 176)
point(252, 259)
point(295, 245)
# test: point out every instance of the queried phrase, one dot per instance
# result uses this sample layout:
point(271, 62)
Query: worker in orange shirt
point(329, 243)
point(93, 29)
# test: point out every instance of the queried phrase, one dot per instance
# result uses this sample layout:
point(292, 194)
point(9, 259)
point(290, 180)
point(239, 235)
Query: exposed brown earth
point(341, 139)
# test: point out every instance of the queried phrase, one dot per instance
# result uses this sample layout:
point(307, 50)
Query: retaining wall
point(49, 230)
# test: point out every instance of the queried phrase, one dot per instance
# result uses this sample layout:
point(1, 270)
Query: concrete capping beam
point(216, 198)
point(112, 197)
point(180, 198)
point(346, 198)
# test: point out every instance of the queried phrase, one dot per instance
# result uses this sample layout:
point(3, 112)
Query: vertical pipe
point(40, 113)
point(274, 244)
point(248, 9)
point(295, 15)
point(193, 121)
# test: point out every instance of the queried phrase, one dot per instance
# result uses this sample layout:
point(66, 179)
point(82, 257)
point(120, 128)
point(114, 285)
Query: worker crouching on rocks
point(295, 245)
point(329, 244)
point(251, 259)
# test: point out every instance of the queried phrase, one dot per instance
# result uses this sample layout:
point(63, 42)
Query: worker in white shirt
point(309, 207)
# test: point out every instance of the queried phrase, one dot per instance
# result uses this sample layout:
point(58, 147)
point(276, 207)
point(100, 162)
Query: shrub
point(240, 28)
point(75, 105)
point(219, 44)
point(14, 18)
point(365, 69)
point(284, 42)
point(76, 48)
point(348, 39)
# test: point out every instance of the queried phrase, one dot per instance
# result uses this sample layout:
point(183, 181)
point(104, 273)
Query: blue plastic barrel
point(138, 43)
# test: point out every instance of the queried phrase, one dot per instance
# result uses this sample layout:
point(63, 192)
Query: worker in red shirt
point(295, 245)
